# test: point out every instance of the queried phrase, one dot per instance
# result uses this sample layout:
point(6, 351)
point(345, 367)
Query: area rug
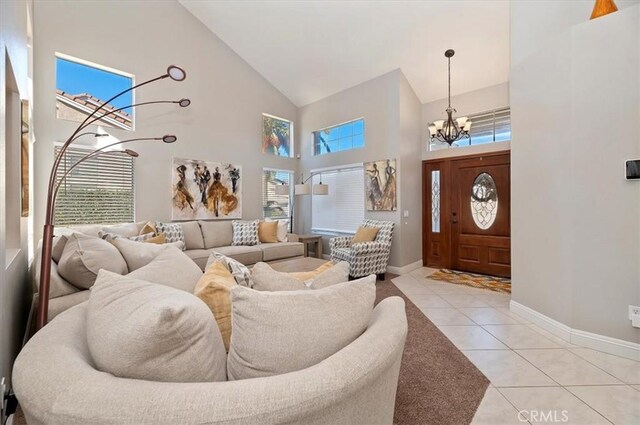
point(493, 283)
point(438, 385)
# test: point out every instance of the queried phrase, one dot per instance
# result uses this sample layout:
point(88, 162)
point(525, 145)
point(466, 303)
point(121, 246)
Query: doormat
point(493, 283)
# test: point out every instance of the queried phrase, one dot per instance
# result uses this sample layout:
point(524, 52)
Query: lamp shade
point(302, 189)
point(282, 189)
point(320, 189)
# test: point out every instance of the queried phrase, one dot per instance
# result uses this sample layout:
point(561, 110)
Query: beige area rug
point(493, 283)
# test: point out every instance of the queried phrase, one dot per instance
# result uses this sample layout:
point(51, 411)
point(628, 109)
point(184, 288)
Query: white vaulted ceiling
point(311, 49)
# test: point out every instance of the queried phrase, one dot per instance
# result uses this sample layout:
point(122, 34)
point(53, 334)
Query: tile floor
point(535, 376)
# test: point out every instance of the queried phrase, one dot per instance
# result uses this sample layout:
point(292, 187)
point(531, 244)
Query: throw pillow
point(283, 229)
point(245, 233)
point(140, 330)
point(365, 234)
point(171, 267)
point(281, 332)
point(306, 276)
point(58, 247)
point(160, 239)
point(239, 271)
point(214, 288)
point(149, 227)
point(334, 275)
point(192, 235)
point(109, 237)
point(266, 279)
point(127, 229)
point(83, 256)
point(268, 231)
point(137, 254)
point(172, 231)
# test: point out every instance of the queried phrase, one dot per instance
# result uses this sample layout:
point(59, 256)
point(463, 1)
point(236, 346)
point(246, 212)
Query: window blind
point(491, 126)
point(275, 206)
point(342, 210)
point(101, 190)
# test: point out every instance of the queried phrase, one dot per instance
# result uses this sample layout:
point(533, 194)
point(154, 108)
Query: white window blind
point(342, 210)
point(275, 206)
point(98, 191)
point(491, 126)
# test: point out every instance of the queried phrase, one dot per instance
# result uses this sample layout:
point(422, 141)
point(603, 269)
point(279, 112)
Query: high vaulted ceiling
point(311, 49)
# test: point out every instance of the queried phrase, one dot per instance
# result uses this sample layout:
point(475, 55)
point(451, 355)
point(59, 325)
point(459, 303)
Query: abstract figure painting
point(380, 185)
point(206, 190)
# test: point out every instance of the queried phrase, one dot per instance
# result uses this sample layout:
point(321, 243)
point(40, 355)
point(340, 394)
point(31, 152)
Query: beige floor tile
point(495, 410)
point(551, 405)
point(463, 300)
point(415, 289)
point(505, 368)
point(520, 336)
point(405, 280)
point(445, 288)
point(567, 368)
point(428, 301)
point(626, 370)
point(447, 316)
point(471, 338)
point(561, 342)
point(487, 316)
point(422, 272)
point(511, 314)
point(495, 299)
point(619, 403)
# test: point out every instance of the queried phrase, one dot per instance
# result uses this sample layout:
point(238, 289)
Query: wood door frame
point(445, 204)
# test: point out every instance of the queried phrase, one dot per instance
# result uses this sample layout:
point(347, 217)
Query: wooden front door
point(473, 214)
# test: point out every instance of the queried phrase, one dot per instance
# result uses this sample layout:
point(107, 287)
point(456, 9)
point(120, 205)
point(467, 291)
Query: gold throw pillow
point(150, 227)
point(365, 234)
point(160, 239)
point(268, 231)
point(305, 276)
point(214, 288)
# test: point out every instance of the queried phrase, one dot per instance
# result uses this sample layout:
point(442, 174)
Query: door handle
point(454, 217)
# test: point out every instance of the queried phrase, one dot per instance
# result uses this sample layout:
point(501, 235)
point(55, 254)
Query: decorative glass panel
point(484, 201)
point(435, 201)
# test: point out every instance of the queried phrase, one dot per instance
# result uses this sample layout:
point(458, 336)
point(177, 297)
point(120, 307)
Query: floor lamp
point(302, 188)
point(173, 72)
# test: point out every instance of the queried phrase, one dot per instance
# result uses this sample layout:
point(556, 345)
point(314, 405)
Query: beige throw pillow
point(58, 247)
point(214, 288)
point(83, 256)
point(331, 276)
point(137, 254)
point(281, 332)
point(266, 279)
point(126, 230)
point(140, 330)
point(171, 267)
point(365, 234)
point(268, 231)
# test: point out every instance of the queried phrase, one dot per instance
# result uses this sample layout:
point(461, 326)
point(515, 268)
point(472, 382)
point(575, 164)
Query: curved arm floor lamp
point(302, 189)
point(175, 73)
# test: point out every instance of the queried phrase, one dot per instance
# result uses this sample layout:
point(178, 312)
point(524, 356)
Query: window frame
point(468, 142)
point(292, 146)
point(316, 132)
point(290, 197)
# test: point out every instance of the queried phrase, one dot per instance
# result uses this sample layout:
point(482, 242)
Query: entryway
point(467, 214)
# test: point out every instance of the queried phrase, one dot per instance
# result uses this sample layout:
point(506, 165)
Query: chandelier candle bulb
point(438, 124)
point(461, 121)
point(467, 126)
point(432, 130)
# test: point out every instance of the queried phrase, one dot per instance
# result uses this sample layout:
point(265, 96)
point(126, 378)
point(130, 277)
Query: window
point(488, 127)
point(81, 87)
point(277, 136)
point(342, 210)
point(98, 191)
point(275, 206)
point(341, 137)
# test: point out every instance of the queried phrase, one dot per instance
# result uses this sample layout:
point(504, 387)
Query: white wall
point(485, 99)
point(15, 294)
point(228, 97)
point(575, 103)
point(381, 102)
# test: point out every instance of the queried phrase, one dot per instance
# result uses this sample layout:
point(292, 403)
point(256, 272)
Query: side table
point(315, 239)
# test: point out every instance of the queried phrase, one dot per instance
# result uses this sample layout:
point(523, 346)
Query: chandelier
point(450, 130)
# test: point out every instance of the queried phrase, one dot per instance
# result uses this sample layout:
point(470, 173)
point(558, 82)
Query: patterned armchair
point(365, 258)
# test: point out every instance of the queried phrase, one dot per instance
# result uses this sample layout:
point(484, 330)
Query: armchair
point(365, 258)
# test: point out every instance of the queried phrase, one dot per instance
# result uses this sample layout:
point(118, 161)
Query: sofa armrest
point(363, 248)
point(340, 242)
point(292, 237)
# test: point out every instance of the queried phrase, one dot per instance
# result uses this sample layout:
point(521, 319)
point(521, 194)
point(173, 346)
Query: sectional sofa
point(200, 239)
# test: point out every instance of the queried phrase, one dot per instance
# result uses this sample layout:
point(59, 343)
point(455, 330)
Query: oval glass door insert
point(484, 201)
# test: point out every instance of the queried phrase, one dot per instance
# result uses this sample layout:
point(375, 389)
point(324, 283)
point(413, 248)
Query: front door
point(481, 214)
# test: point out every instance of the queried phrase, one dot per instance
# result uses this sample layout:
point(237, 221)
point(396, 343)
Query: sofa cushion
point(268, 231)
point(83, 256)
point(281, 332)
point(199, 256)
point(239, 271)
point(126, 230)
point(137, 254)
point(216, 233)
point(266, 279)
point(60, 304)
point(247, 255)
point(192, 235)
point(113, 236)
point(141, 330)
point(57, 247)
point(245, 233)
point(279, 250)
point(171, 267)
point(214, 288)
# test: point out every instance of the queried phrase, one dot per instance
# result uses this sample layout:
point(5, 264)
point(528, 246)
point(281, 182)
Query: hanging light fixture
point(451, 129)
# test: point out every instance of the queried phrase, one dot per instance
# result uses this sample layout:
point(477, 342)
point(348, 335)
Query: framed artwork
point(277, 136)
point(24, 158)
point(206, 190)
point(380, 185)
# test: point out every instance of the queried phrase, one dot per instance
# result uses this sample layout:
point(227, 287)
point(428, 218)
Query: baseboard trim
point(618, 347)
point(404, 269)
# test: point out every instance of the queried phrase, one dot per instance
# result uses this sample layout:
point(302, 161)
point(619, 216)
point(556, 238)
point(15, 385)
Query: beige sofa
point(201, 238)
point(56, 383)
